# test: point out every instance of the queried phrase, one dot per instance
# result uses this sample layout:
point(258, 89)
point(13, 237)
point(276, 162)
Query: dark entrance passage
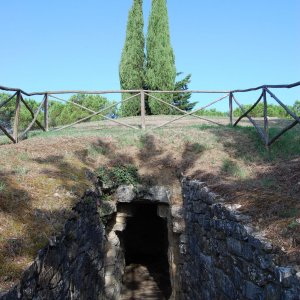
point(146, 254)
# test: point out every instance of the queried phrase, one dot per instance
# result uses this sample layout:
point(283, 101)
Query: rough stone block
point(238, 277)
point(285, 275)
point(265, 262)
point(177, 211)
point(125, 193)
point(234, 246)
point(119, 227)
point(178, 226)
point(247, 251)
point(272, 292)
point(252, 291)
point(292, 294)
point(199, 207)
point(107, 208)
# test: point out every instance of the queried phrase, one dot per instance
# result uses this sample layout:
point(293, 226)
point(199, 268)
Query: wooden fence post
point(143, 110)
point(266, 121)
point(46, 113)
point(17, 117)
point(230, 109)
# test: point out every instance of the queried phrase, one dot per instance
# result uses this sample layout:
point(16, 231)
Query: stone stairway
point(139, 284)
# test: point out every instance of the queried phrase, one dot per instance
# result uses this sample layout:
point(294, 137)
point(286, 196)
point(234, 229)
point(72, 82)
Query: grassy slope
point(42, 177)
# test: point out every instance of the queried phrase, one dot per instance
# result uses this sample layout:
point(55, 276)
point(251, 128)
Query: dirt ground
point(42, 177)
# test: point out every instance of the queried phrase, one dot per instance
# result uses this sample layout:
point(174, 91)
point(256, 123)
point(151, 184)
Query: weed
point(231, 168)
point(143, 140)
point(106, 197)
point(125, 174)
point(118, 175)
point(293, 224)
point(286, 147)
point(19, 170)
point(2, 186)
point(289, 213)
point(94, 151)
point(268, 182)
point(103, 175)
point(198, 148)
point(89, 200)
point(23, 156)
point(4, 140)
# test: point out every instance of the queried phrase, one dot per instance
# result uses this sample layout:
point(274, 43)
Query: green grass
point(94, 151)
point(288, 146)
point(21, 171)
point(198, 148)
point(2, 187)
point(289, 213)
point(4, 140)
point(268, 183)
point(231, 168)
point(24, 156)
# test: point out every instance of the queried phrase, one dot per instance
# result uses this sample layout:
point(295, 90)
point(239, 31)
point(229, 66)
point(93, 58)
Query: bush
point(119, 175)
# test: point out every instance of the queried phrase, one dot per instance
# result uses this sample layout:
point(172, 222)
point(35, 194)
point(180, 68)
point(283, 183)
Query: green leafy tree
point(160, 70)
point(181, 100)
point(55, 110)
point(296, 107)
point(258, 111)
point(132, 63)
point(62, 114)
point(211, 113)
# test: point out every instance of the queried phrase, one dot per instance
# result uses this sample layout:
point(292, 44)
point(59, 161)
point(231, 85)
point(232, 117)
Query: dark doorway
point(146, 254)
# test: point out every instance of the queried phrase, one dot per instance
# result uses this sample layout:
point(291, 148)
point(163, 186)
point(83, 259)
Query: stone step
point(139, 284)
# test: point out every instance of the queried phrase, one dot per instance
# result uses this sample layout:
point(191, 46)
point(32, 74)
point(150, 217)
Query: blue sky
point(75, 44)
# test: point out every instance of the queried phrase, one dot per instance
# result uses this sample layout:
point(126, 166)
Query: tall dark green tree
point(160, 70)
point(181, 100)
point(132, 63)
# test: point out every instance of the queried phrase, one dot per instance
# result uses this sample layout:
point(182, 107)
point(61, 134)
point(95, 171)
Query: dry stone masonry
point(224, 258)
point(72, 265)
point(207, 251)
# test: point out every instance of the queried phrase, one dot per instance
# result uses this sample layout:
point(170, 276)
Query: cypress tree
point(181, 100)
point(161, 70)
point(131, 70)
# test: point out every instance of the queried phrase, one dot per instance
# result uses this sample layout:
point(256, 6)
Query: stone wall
point(213, 252)
point(223, 258)
point(87, 260)
point(72, 265)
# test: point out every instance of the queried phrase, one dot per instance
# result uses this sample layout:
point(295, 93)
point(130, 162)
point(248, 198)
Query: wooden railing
point(15, 136)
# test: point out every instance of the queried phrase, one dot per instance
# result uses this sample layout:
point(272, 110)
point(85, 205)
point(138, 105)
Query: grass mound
point(41, 178)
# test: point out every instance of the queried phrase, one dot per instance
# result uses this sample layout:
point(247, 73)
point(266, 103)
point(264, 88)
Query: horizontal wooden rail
point(278, 86)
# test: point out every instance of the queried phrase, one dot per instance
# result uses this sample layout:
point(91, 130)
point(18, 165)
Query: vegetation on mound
point(42, 177)
point(118, 175)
